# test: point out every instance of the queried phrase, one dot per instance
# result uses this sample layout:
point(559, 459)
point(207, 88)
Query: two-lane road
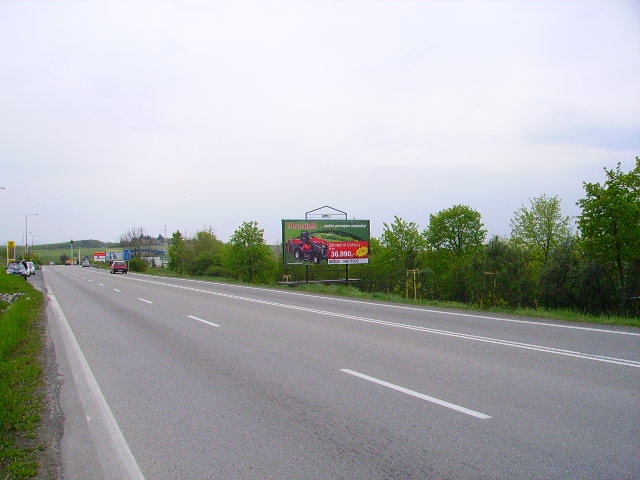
point(188, 379)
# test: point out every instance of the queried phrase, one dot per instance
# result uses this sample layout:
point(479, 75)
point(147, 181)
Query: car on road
point(85, 263)
point(17, 269)
point(119, 266)
point(32, 268)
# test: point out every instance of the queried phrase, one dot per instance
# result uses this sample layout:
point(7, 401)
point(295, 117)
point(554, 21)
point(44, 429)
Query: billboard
point(112, 255)
point(325, 242)
point(11, 251)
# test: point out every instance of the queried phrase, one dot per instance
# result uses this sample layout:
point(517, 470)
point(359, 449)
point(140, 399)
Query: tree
point(454, 235)
point(560, 275)
point(404, 242)
point(135, 240)
point(498, 274)
point(247, 256)
point(400, 246)
point(177, 253)
point(610, 222)
point(457, 229)
point(540, 228)
point(205, 254)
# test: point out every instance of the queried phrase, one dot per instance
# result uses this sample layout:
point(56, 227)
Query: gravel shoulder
point(51, 427)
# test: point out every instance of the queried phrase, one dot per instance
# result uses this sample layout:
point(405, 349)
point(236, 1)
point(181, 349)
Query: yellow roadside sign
point(11, 251)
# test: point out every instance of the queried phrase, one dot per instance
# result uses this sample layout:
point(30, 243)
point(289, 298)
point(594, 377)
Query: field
point(53, 254)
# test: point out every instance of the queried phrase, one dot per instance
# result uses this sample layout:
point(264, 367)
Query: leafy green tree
point(205, 254)
point(610, 223)
point(498, 274)
point(400, 245)
point(247, 256)
point(457, 229)
point(541, 227)
point(454, 235)
point(560, 275)
point(177, 253)
point(404, 242)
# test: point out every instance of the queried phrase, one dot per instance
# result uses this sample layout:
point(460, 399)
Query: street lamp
point(26, 234)
point(33, 235)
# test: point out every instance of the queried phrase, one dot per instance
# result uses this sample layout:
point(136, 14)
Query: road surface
point(181, 379)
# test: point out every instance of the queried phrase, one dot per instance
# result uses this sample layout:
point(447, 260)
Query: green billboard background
point(322, 242)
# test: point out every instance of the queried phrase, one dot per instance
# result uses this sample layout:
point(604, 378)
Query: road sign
point(11, 251)
point(126, 255)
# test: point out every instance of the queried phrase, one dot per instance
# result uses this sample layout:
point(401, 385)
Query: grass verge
point(21, 401)
point(350, 291)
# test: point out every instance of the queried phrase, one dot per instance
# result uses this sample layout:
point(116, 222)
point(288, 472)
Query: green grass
point(565, 315)
point(350, 291)
point(53, 255)
point(20, 380)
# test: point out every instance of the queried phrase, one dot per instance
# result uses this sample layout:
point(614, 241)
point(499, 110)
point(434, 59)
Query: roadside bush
point(137, 264)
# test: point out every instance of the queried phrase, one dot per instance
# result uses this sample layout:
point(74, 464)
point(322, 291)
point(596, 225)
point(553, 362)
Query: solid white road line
point(437, 401)
point(203, 321)
point(114, 453)
point(496, 341)
point(143, 300)
point(416, 309)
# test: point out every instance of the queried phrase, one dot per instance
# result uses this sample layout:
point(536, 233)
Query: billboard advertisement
point(325, 242)
point(112, 255)
point(11, 251)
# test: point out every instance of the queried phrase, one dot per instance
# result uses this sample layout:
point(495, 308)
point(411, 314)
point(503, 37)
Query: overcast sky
point(190, 114)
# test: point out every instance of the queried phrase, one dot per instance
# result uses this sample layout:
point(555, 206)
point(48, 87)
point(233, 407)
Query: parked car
point(32, 268)
point(85, 263)
point(119, 266)
point(17, 269)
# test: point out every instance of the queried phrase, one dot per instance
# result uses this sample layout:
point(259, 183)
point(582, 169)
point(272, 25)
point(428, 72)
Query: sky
point(185, 115)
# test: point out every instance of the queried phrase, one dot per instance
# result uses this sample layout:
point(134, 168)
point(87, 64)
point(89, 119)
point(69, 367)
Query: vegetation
point(248, 257)
point(20, 379)
point(544, 265)
point(610, 224)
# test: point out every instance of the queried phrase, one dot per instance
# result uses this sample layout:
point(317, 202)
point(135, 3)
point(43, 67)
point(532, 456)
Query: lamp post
point(33, 235)
point(26, 234)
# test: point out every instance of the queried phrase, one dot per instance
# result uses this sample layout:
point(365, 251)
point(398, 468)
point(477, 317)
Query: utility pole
point(26, 234)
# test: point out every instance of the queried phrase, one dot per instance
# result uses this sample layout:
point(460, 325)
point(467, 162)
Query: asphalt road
point(178, 379)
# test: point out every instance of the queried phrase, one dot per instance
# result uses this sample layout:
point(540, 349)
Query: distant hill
point(77, 244)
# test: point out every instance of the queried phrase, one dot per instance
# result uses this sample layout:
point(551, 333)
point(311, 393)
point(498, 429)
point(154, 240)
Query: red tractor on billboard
point(308, 248)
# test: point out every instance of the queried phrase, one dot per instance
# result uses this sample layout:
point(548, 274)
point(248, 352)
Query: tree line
point(543, 263)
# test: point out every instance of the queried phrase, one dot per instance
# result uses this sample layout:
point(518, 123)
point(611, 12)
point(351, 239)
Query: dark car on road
point(119, 266)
